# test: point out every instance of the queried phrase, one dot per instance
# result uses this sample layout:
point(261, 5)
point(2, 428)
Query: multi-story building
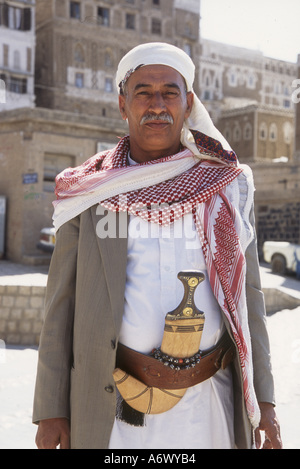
point(80, 43)
point(250, 99)
point(259, 132)
point(17, 52)
point(237, 76)
point(78, 47)
point(296, 98)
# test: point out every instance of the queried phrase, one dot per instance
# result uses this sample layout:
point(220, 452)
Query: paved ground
point(16, 274)
point(18, 365)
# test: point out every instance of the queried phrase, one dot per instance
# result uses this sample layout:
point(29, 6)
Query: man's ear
point(190, 102)
point(122, 107)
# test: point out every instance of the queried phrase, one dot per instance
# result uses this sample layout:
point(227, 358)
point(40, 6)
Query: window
point(17, 85)
point(248, 131)
point(75, 10)
point(130, 21)
point(103, 16)
point(108, 59)
point(79, 53)
point(5, 55)
point(227, 134)
point(17, 60)
point(29, 59)
point(273, 132)
point(232, 76)
point(108, 85)
point(156, 26)
point(79, 80)
point(287, 132)
point(156, 2)
point(251, 81)
point(236, 133)
point(53, 165)
point(263, 131)
point(15, 18)
point(233, 79)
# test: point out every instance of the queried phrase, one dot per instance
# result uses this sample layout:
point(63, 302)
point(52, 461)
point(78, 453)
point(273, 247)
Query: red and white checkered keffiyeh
point(197, 186)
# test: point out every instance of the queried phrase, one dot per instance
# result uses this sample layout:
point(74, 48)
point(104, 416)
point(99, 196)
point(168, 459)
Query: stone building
point(17, 50)
point(78, 47)
point(250, 98)
point(38, 144)
point(234, 77)
point(259, 132)
point(80, 43)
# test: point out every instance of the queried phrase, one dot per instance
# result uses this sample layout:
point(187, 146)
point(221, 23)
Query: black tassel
point(128, 414)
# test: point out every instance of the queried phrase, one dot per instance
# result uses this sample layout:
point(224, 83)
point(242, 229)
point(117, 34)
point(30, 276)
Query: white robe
point(203, 418)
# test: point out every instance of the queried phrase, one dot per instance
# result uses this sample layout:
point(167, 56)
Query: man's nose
point(157, 103)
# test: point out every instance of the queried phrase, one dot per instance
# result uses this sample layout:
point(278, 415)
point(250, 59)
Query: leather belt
point(154, 373)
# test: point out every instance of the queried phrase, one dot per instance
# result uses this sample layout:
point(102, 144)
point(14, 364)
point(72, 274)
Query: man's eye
point(171, 93)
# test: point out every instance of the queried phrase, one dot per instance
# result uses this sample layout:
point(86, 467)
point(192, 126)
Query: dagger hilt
point(184, 325)
point(187, 308)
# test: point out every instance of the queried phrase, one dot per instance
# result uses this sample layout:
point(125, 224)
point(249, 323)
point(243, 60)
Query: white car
point(47, 240)
point(282, 256)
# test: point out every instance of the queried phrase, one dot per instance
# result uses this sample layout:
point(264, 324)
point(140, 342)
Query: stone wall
point(21, 314)
point(277, 202)
point(29, 139)
point(278, 223)
point(278, 300)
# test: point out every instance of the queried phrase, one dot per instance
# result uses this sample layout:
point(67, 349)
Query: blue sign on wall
point(30, 178)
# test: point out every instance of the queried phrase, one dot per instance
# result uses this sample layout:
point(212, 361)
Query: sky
point(270, 26)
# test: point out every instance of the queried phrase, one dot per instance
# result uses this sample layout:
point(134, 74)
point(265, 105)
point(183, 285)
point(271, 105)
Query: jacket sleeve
point(263, 378)
point(52, 390)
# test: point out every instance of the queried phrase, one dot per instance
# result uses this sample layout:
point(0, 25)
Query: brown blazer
point(83, 315)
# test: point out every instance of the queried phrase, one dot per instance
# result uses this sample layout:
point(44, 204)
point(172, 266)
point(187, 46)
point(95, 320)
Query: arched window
point(273, 132)
point(248, 131)
point(251, 81)
point(236, 133)
point(108, 59)
point(232, 77)
point(79, 53)
point(227, 133)
point(263, 131)
point(287, 132)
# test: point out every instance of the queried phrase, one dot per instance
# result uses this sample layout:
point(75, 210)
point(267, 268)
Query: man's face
point(156, 103)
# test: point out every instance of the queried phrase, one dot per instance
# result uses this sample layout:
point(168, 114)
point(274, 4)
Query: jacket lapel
point(111, 229)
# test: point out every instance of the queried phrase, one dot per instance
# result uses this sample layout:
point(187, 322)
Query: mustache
point(162, 117)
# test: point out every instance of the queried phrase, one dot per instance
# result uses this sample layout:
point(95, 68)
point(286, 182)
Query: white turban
point(158, 53)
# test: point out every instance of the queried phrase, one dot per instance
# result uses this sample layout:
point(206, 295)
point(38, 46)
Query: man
point(171, 196)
